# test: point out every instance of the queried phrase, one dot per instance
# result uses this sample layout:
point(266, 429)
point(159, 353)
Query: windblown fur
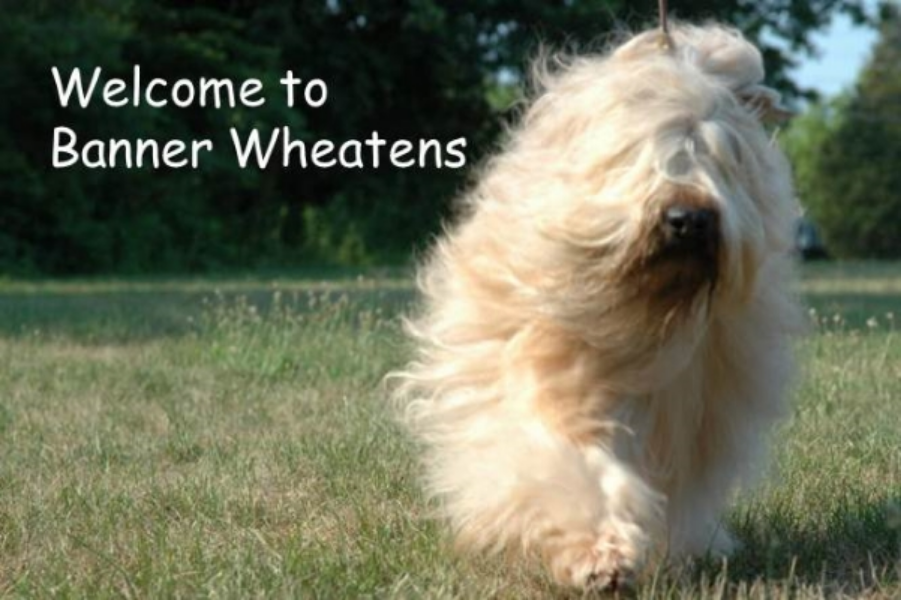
point(583, 391)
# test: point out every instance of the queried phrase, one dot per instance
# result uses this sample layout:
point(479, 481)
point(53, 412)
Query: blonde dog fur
point(583, 394)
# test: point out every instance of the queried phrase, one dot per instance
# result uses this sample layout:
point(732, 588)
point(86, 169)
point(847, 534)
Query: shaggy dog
point(605, 340)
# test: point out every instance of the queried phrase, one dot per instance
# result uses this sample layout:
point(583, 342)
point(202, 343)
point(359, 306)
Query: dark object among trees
point(808, 242)
point(409, 70)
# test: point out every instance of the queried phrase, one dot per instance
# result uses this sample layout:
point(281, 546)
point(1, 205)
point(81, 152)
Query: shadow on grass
point(851, 551)
point(124, 311)
point(93, 316)
point(857, 552)
point(855, 308)
point(99, 317)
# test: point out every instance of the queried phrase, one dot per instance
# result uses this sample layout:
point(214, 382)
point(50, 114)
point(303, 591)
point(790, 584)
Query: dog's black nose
point(686, 224)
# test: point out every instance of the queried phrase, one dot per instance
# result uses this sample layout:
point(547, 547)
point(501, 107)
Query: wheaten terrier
point(605, 340)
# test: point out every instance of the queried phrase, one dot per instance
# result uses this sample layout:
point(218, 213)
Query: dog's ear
point(765, 102)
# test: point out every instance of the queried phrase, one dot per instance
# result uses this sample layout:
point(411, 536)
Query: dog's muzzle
point(689, 229)
point(689, 247)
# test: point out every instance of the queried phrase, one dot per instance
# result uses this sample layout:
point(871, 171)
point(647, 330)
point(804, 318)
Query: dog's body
point(605, 339)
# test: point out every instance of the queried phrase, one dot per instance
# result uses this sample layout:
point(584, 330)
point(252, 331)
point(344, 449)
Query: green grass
point(230, 438)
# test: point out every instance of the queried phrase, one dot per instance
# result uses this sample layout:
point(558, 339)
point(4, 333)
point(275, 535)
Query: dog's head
point(651, 173)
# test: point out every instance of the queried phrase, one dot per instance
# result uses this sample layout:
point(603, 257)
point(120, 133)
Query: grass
point(230, 438)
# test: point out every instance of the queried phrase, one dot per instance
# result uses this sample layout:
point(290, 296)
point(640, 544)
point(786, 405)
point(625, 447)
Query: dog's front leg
point(511, 480)
point(617, 544)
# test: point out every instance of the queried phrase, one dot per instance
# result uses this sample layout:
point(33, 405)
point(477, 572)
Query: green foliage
point(846, 155)
point(409, 70)
point(331, 237)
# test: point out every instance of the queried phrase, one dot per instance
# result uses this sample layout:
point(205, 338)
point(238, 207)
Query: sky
point(843, 50)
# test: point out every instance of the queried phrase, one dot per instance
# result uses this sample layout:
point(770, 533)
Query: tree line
point(408, 69)
point(847, 155)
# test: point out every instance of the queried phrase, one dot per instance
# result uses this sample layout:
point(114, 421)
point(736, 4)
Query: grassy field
point(229, 438)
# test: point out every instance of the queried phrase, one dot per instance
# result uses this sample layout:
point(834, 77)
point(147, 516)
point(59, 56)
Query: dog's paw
point(609, 563)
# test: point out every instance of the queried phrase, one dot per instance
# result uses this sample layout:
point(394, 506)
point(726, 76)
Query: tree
point(408, 69)
point(847, 155)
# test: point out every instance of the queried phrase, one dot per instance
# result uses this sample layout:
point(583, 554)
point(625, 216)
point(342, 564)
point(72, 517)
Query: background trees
point(409, 69)
point(847, 156)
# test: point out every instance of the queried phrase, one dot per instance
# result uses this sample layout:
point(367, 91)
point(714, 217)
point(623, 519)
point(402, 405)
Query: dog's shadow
point(852, 550)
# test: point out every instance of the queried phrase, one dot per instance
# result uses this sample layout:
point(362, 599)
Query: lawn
point(231, 438)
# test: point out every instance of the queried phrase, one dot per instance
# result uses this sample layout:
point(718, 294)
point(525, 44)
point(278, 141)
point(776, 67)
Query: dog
point(606, 332)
